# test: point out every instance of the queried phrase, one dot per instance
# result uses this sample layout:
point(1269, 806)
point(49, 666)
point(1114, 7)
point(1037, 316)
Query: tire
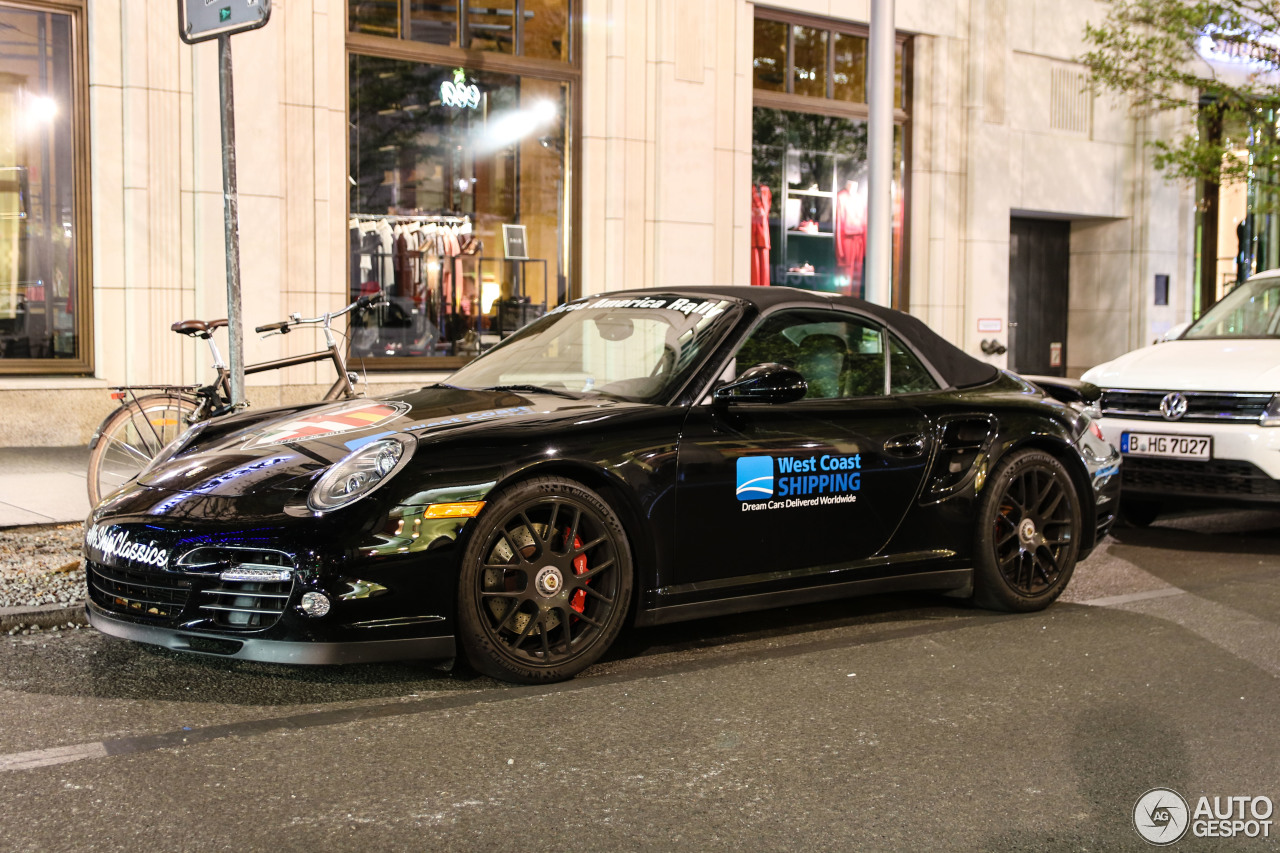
point(1028, 538)
point(1138, 513)
point(545, 582)
point(131, 437)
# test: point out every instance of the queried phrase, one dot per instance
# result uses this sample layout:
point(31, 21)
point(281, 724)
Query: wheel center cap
point(1027, 530)
point(548, 581)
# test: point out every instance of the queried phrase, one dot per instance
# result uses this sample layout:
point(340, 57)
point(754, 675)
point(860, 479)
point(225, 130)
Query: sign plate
point(200, 20)
point(513, 242)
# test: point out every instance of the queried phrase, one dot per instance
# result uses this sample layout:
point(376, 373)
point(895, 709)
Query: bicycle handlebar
point(283, 326)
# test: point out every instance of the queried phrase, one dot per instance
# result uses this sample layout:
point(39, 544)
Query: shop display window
point(43, 304)
point(817, 219)
point(809, 154)
point(457, 202)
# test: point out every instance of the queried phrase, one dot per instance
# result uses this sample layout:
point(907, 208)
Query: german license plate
point(1198, 447)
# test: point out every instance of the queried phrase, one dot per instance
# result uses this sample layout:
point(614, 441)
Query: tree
point(1154, 52)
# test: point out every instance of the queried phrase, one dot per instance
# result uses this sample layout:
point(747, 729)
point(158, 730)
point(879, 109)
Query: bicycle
point(132, 435)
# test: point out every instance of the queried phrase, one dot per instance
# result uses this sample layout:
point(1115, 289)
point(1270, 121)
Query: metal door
point(1039, 257)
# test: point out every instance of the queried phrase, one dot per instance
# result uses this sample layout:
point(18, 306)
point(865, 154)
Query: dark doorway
point(1039, 254)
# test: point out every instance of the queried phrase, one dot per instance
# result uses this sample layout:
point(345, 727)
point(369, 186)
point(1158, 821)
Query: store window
point(1239, 222)
point(459, 174)
point(43, 304)
point(809, 156)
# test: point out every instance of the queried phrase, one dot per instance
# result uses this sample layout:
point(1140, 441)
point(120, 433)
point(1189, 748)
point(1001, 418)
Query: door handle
point(905, 445)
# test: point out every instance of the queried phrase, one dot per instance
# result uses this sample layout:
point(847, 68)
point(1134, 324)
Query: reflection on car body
point(650, 456)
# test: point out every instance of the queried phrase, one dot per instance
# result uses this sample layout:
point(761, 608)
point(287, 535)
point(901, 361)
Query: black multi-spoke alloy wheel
point(1028, 533)
point(545, 582)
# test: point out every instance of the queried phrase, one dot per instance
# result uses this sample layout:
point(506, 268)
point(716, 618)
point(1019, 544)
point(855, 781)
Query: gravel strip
point(41, 566)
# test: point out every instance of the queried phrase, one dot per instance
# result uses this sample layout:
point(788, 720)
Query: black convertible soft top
point(957, 367)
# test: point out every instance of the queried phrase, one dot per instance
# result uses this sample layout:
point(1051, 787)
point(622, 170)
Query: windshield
point(637, 348)
point(1252, 310)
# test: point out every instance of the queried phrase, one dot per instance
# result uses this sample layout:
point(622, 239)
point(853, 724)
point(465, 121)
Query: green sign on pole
point(199, 20)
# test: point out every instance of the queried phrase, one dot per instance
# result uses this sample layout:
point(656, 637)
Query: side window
point(838, 355)
point(906, 372)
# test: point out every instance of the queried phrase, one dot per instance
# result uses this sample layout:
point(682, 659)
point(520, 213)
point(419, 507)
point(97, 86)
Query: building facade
point(481, 163)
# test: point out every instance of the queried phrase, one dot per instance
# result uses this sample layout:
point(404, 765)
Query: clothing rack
point(424, 218)
point(431, 305)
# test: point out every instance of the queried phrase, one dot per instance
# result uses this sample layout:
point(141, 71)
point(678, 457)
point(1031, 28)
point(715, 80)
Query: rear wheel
point(545, 582)
point(1028, 535)
point(131, 437)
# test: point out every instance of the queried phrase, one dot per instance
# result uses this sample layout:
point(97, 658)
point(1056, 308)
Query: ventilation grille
point(1070, 102)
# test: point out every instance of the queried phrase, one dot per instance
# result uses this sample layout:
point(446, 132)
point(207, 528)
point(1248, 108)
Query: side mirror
point(764, 383)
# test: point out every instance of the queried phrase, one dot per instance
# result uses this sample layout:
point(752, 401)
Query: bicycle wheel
point(131, 437)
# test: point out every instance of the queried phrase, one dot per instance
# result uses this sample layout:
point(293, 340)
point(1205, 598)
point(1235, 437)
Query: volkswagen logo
point(1173, 406)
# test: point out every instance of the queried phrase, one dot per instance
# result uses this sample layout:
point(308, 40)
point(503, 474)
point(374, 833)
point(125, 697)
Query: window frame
point(901, 294)
point(570, 73)
point(844, 314)
point(81, 208)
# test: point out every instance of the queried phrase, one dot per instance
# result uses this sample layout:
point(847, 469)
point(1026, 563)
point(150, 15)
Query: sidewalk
point(43, 485)
point(40, 486)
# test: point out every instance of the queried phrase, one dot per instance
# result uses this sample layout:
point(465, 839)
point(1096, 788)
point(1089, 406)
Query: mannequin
point(851, 235)
point(761, 202)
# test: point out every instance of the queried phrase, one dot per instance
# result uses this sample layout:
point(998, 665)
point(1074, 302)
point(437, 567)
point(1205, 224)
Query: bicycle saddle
point(197, 328)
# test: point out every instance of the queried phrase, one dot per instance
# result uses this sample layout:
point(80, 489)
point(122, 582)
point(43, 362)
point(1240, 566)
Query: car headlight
point(1271, 414)
point(361, 472)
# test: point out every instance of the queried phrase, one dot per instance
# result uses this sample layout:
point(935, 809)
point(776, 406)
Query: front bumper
point(272, 651)
point(1102, 461)
point(1244, 468)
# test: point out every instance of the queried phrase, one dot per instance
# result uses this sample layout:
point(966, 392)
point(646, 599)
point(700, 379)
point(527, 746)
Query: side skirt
point(940, 580)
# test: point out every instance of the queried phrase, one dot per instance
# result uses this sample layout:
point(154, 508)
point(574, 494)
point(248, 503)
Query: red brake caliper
point(579, 600)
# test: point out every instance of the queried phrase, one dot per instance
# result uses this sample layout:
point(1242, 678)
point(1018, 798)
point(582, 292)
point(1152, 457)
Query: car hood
point(1209, 365)
point(251, 454)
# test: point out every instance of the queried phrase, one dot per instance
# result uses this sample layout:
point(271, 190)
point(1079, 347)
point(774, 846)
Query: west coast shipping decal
point(357, 415)
point(785, 482)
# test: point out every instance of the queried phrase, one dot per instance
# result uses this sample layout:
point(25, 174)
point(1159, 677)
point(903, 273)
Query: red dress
point(851, 238)
point(761, 202)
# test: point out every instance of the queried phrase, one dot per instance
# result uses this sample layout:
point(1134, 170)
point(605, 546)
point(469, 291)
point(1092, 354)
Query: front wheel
point(131, 437)
point(1028, 537)
point(545, 582)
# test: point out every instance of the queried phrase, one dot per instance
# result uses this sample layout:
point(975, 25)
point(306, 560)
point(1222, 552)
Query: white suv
point(1198, 418)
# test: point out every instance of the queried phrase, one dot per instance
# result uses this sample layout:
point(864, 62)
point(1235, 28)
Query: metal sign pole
point(232, 220)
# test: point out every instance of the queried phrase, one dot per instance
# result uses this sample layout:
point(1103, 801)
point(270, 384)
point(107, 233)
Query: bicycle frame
point(342, 386)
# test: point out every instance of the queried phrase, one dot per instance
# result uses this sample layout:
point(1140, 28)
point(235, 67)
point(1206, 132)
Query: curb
point(46, 616)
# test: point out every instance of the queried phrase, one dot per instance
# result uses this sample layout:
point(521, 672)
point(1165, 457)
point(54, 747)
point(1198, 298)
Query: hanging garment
point(761, 203)
point(850, 236)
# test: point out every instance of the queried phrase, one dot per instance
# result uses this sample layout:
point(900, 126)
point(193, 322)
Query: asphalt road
point(890, 723)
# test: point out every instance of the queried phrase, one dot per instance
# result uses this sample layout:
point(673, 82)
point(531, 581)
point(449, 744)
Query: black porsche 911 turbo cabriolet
point(645, 456)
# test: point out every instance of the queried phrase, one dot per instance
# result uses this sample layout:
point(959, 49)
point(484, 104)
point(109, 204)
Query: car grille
point(245, 605)
point(156, 595)
point(253, 601)
point(1216, 478)
point(1202, 406)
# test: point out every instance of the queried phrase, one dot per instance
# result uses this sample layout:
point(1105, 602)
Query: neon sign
point(459, 93)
